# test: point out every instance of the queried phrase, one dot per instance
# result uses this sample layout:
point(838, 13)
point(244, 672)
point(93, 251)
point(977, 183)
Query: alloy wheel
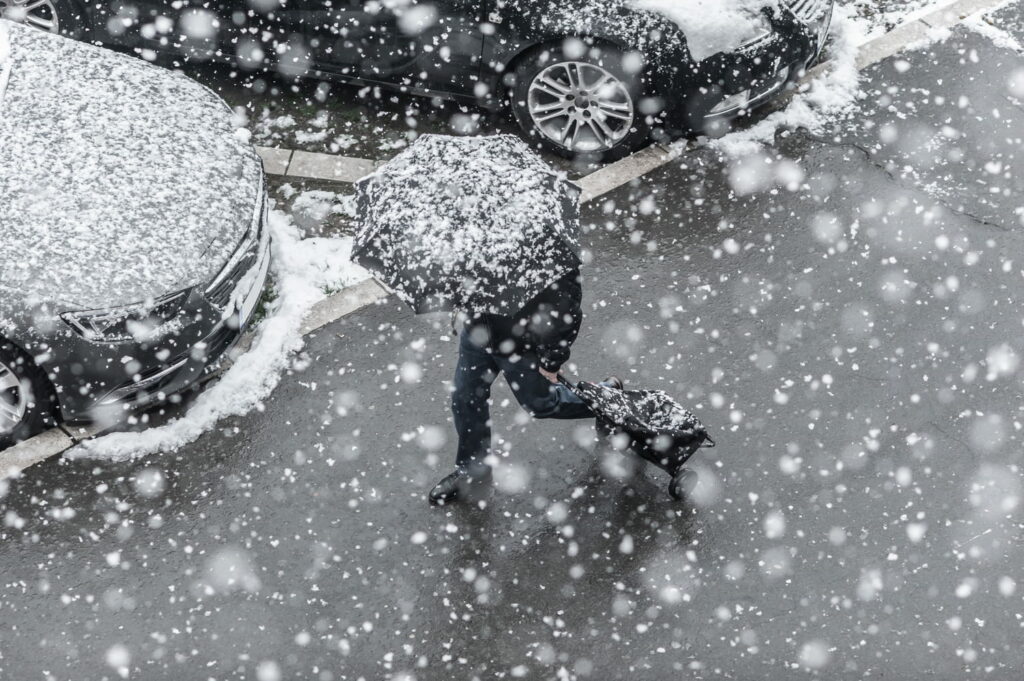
point(13, 399)
point(580, 106)
point(40, 14)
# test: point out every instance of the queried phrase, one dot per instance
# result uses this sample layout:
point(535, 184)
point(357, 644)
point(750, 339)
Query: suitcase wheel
point(683, 483)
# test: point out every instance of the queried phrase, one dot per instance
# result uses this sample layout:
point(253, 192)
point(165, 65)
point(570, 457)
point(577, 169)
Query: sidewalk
point(849, 342)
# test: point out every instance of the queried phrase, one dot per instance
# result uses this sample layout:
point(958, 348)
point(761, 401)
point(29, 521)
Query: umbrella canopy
point(479, 224)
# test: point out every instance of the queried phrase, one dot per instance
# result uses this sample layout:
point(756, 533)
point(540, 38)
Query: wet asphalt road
point(852, 341)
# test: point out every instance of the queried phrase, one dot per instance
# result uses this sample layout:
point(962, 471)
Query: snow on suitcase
point(658, 428)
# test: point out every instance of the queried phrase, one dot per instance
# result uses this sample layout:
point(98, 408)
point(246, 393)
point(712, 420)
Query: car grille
point(217, 344)
point(151, 382)
point(245, 257)
point(810, 10)
point(219, 294)
point(150, 385)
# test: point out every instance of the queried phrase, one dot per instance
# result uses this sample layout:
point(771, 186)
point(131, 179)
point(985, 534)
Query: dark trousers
point(476, 371)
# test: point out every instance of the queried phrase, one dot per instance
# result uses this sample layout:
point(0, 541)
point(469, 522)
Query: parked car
point(629, 73)
point(132, 221)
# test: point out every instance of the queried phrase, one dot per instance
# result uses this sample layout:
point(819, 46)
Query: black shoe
point(613, 382)
point(461, 484)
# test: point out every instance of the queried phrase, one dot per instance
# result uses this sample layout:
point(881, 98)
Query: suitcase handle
point(565, 381)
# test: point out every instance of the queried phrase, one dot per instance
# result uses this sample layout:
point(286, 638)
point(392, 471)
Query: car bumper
point(747, 77)
point(130, 375)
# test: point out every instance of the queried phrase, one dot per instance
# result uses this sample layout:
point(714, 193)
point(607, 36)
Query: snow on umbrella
point(479, 224)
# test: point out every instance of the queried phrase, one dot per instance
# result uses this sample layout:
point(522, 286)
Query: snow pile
point(713, 26)
point(1000, 38)
point(303, 269)
point(318, 204)
point(827, 97)
point(881, 16)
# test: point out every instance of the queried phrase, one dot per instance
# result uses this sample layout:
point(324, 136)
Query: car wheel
point(25, 397)
point(55, 16)
point(580, 106)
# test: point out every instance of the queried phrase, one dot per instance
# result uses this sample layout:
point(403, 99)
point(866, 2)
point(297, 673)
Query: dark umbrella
point(479, 224)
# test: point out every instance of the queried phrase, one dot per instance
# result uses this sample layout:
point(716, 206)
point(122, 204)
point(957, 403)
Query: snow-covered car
point(581, 76)
point(132, 219)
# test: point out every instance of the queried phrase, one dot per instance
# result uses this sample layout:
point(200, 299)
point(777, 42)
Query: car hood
point(119, 181)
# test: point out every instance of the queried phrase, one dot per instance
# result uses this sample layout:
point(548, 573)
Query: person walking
point(482, 225)
point(529, 348)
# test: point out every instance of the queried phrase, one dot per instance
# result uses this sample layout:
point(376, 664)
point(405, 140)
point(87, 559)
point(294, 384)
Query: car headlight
point(139, 322)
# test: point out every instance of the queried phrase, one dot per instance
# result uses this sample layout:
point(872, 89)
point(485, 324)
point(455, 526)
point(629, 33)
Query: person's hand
point(550, 375)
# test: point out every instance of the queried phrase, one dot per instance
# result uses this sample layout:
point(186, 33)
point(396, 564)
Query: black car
point(581, 76)
point(132, 219)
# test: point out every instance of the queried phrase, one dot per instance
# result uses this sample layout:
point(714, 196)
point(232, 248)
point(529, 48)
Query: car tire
point(585, 106)
point(26, 399)
point(66, 17)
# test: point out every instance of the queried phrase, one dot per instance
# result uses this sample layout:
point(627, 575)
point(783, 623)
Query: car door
point(424, 45)
point(197, 29)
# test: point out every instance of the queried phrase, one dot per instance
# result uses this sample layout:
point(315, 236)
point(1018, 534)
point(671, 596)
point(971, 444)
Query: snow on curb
point(998, 36)
point(833, 87)
point(303, 269)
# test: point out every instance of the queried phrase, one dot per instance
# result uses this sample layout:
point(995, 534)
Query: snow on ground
point(881, 16)
point(303, 270)
point(833, 93)
point(343, 142)
point(998, 36)
point(318, 204)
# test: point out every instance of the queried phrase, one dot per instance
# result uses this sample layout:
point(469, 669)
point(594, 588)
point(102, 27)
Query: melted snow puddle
point(303, 269)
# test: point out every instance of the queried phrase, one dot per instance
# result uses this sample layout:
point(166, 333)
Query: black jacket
point(546, 326)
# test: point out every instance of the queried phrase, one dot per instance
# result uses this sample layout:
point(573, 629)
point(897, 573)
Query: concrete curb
point(310, 165)
point(616, 174)
point(315, 166)
point(15, 459)
point(343, 303)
